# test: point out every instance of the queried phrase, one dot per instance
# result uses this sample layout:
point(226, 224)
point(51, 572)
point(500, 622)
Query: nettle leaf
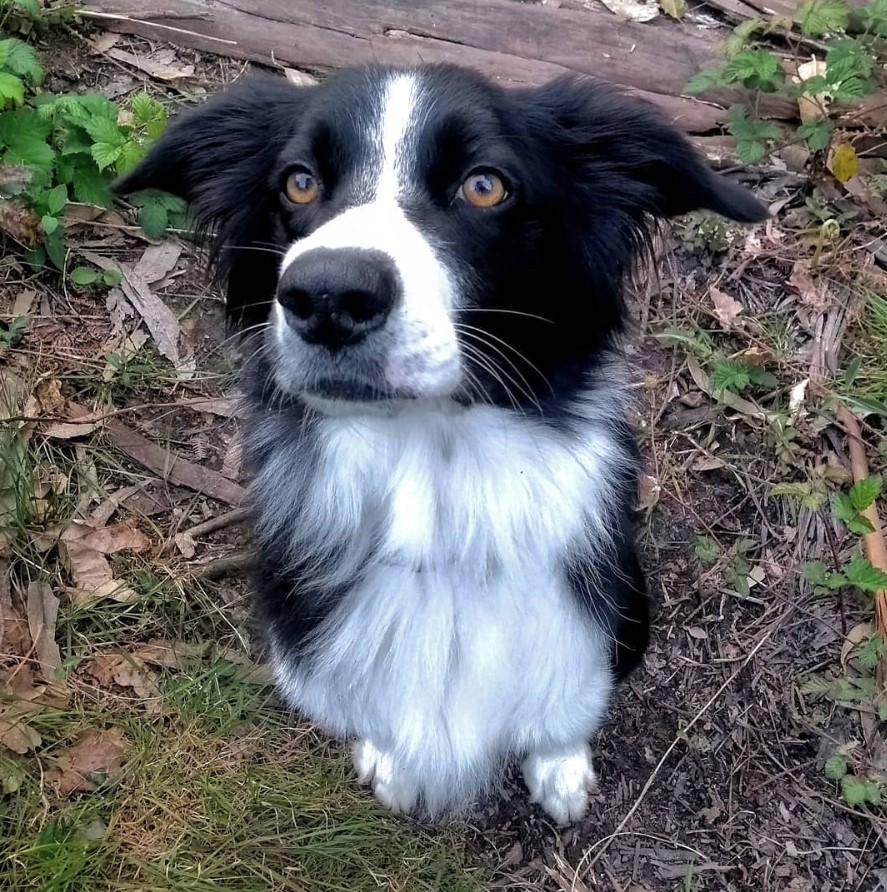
point(750, 134)
point(130, 155)
point(729, 374)
point(860, 525)
point(24, 135)
point(864, 492)
point(861, 574)
point(854, 790)
point(842, 507)
point(12, 89)
point(706, 549)
point(756, 69)
point(90, 184)
point(154, 219)
point(104, 130)
point(105, 154)
point(836, 766)
point(874, 17)
point(817, 134)
point(816, 17)
point(848, 58)
point(17, 57)
point(870, 652)
point(148, 113)
point(706, 80)
point(816, 573)
point(849, 89)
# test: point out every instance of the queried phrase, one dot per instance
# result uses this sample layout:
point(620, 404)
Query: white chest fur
point(461, 642)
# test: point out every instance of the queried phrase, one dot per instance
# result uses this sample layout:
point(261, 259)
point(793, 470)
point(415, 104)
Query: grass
point(219, 788)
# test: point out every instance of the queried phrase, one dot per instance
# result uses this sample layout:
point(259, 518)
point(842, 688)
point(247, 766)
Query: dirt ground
point(712, 761)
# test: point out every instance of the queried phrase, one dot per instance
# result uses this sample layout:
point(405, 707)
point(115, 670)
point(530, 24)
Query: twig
point(604, 844)
point(238, 562)
point(875, 549)
point(218, 523)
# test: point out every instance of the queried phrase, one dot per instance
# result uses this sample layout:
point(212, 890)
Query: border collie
point(443, 473)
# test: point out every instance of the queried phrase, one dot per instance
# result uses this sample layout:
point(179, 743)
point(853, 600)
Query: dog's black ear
point(218, 157)
point(623, 145)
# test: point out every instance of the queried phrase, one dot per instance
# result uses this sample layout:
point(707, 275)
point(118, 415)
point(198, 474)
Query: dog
point(442, 470)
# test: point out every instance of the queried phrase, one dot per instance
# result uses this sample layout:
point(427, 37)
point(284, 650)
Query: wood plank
point(511, 43)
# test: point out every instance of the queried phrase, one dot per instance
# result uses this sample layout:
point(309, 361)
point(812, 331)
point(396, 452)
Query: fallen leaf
point(811, 108)
point(43, 612)
point(104, 40)
point(18, 683)
point(709, 463)
point(726, 308)
point(843, 162)
point(15, 732)
point(19, 222)
point(152, 66)
point(796, 397)
point(119, 309)
point(23, 302)
point(84, 548)
point(161, 321)
point(97, 753)
point(632, 10)
point(649, 490)
point(299, 78)
point(126, 671)
point(157, 261)
point(677, 9)
point(70, 430)
point(812, 289)
point(185, 544)
point(15, 639)
point(170, 654)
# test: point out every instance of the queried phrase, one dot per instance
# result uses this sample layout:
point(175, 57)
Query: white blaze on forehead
point(396, 121)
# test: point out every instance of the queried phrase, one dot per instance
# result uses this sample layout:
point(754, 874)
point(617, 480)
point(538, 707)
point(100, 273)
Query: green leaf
point(816, 17)
point(84, 275)
point(16, 56)
point(864, 492)
point(750, 134)
point(843, 508)
point(853, 789)
point(104, 129)
point(729, 374)
point(105, 154)
point(741, 34)
point(90, 184)
point(816, 573)
point(836, 766)
point(848, 58)
point(870, 652)
point(706, 80)
point(859, 525)
point(149, 114)
point(12, 332)
point(56, 199)
point(24, 135)
point(111, 277)
point(55, 248)
point(874, 17)
point(864, 576)
point(154, 219)
point(755, 69)
point(817, 134)
point(130, 155)
point(849, 89)
point(12, 89)
point(49, 224)
point(761, 377)
point(706, 549)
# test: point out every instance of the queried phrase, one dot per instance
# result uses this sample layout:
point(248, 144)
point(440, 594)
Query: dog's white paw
point(391, 787)
point(560, 781)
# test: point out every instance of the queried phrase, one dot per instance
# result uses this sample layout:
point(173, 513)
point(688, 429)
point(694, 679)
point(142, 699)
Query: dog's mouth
point(351, 391)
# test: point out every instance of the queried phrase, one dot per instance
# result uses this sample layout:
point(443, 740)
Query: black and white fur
point(443, 509)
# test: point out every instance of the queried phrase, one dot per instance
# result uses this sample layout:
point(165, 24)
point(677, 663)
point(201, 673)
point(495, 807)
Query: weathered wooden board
point(516, 43)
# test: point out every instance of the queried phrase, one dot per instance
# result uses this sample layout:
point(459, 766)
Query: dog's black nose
point(336, 297)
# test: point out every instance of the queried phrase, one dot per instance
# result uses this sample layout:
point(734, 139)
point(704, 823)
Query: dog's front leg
point(560, 780)
point(392, 786)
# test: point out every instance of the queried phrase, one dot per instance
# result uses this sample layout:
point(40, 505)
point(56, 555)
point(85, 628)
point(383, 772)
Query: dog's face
point(424, 234)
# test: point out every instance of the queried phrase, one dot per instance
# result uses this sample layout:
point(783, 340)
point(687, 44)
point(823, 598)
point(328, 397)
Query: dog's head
point(420, 234)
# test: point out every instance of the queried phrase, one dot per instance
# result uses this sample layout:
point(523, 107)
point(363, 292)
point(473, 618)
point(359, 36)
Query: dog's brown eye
point(302, 186)
point(484, 189)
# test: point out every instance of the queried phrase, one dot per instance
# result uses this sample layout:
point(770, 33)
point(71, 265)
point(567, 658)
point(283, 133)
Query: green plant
point(847, 74)
point(737, 376)
point(67, 148)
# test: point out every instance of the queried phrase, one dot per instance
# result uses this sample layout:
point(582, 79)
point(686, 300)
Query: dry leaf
point(104, 40)
point(119, 310)
point(633, 10)
point(161, 321)
point(811, 108)
point(126, 671)
point(843, 162)
point(170, 654)
point(23, 302)
point(100, 752)
point(649, 490)
point(15, 732)
point(15, 639)
point(152, 66)
point(18, 683)
point(84, 550)
point(677, 9)
point(70, 430)
point(726, 308)
point(157, 261)
point(299, 78)
point(43, 611)
point(813, 290)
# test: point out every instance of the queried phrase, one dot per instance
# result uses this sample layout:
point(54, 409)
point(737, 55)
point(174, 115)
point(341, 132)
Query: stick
point(875, 550)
